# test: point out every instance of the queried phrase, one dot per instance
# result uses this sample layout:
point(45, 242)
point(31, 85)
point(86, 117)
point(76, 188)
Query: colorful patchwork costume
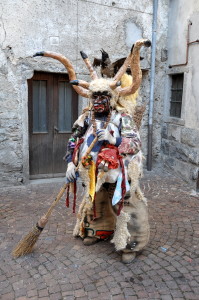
point(113, 204)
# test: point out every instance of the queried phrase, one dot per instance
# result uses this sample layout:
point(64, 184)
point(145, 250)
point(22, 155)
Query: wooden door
point(53, 108)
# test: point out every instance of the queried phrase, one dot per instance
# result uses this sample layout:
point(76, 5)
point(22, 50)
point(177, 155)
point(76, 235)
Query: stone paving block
point(102, 289)
point(68, 298)
point(43, 293)
point(176, 293)
point(115, 291)
point(118, 297)
point(32, 293)
point(20, 292)
point(105, 296)
point(166, 297)
point(89, 287)
point(190, 296)
point(79, 293)
point(92, 294)
point(56, 296)
point(8, 296)
point(129, 292)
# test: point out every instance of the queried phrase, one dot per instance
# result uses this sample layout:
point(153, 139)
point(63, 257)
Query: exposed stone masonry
point(180, 147)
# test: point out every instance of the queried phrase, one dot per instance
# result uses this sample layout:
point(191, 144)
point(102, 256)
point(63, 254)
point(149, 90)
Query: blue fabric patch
point(68, 158)
point(98, 144)
point(118, 141)
point(117, 196)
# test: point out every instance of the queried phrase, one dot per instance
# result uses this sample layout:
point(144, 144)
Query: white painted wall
point(181, 13)
point(180, 136)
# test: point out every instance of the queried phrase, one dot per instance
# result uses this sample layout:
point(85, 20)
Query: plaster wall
point(180, 136)
point(67, 27)
point(180, 14)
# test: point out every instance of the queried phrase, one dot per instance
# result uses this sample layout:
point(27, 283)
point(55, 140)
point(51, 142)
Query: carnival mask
point(101, 102)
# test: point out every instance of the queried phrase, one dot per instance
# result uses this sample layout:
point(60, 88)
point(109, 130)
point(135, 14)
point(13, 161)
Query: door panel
point(52, 111)
point(65, 107)
point(39, 106)
point(65, 114)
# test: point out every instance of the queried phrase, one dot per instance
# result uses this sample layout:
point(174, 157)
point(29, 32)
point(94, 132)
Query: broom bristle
point(27, 243)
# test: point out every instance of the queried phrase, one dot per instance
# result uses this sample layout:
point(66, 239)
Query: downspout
point(152, 80)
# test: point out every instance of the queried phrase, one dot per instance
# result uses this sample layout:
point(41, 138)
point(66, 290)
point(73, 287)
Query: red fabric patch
point(110, 155)
point(75, 152)
point(126, 146)
point(75, 196)
point(103, 233)
point(67, 195)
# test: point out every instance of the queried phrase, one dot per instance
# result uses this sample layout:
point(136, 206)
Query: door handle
point(56, 130)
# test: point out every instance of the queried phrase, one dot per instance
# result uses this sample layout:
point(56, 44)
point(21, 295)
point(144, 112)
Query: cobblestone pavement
point(62, 268)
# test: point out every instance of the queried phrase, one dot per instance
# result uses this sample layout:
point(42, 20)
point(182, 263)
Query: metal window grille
point(176, 95)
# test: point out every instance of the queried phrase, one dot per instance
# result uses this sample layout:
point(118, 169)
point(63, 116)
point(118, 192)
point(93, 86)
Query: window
point(176, 95)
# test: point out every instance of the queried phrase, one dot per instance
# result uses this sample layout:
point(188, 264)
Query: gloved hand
point(70, 173)
point(105, 135)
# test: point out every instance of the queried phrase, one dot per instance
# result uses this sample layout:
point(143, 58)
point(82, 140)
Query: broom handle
point(59, 195)
point(61, 192)
point(90, 147)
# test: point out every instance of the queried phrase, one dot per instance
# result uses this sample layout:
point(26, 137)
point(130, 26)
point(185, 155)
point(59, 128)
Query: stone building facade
point(67, 26)
point(180, 130)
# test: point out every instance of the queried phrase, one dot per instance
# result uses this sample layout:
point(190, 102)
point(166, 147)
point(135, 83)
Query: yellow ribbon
point(92, 178)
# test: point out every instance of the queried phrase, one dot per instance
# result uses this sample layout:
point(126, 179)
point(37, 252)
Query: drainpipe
point(152, 79)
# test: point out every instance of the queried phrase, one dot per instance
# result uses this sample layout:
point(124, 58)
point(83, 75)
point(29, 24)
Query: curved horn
point(121, 72)
point(71, 72)
point(93, 73)
point(81, 83)
point(135, 69)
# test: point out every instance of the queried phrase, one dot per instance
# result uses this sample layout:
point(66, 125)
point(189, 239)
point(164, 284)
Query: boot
point(89, 240)
point(128, 257)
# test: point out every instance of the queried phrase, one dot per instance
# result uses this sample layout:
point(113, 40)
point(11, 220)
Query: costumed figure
point(113, 204)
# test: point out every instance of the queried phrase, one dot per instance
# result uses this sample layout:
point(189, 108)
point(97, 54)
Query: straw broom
point(27, 243)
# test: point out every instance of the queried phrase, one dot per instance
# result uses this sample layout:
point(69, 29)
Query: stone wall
point(67, 27)
point(181, 152)
point(180, 136)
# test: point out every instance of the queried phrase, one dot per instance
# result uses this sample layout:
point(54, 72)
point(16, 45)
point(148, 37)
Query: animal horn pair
point(81, 86)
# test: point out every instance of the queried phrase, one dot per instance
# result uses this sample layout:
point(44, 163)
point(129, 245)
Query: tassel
point(67, 196)
point(75, 196)
point(75, 152)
